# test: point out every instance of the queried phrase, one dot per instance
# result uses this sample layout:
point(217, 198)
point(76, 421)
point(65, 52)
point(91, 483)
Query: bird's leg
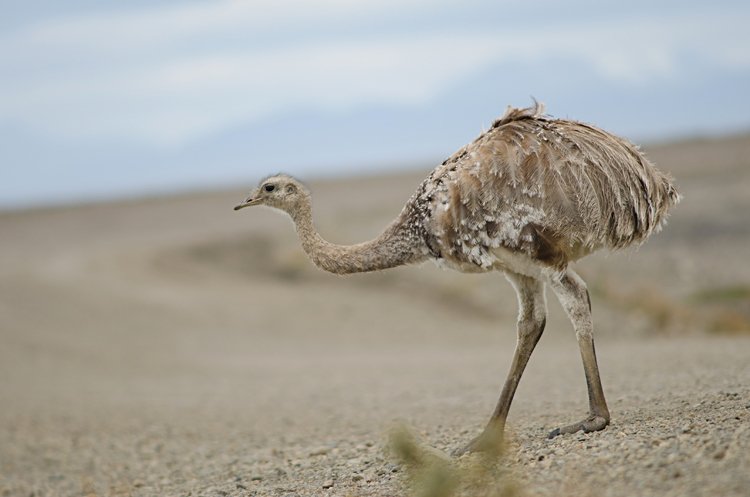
point(574, 297)
point(532, 315)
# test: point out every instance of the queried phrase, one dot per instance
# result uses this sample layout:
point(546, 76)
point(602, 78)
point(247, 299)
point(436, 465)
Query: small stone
point(256, 478)
point(357, 477)
point(328, 484)
point(320, 451)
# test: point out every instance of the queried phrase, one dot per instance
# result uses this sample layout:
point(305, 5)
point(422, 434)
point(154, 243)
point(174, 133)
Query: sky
point(103, 99)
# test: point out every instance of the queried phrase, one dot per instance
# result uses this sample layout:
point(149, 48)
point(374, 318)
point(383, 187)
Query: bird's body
point(533, 192)
point(527, 197)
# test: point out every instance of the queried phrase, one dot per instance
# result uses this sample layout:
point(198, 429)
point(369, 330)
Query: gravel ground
point(674, 432)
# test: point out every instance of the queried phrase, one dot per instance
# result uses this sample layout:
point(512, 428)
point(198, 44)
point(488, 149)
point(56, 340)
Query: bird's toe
point(588, 425)
point(489, 441)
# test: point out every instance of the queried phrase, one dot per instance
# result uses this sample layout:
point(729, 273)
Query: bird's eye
point(269, 188)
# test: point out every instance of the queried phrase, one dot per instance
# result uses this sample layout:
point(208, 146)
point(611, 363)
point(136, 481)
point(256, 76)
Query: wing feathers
point(547, 186)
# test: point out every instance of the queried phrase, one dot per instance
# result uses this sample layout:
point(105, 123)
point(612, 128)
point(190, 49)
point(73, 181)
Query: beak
point(247, 203)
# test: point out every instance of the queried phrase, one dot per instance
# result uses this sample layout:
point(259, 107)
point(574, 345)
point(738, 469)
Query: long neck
point(394, 247)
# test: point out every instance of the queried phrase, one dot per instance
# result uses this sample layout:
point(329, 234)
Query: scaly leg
point(574, 297)
point(532, 315)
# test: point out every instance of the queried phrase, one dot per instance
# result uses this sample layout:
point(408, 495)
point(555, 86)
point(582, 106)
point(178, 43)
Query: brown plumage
point(527, 197)
point(553, 190)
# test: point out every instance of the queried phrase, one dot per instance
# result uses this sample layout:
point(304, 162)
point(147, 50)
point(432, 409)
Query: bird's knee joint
point(531, 327)
point(585, 333)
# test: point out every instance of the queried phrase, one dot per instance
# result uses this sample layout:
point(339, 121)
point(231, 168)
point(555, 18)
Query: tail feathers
point(669, 198)
point(672, 194)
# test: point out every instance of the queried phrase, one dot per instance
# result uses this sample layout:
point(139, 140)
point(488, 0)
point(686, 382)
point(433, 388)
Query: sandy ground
point(172, 347)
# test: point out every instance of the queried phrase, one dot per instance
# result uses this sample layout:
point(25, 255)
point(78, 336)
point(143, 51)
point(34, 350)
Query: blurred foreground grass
point(431, 473)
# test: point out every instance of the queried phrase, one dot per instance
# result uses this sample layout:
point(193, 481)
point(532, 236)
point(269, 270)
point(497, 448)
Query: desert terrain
point(172, 347)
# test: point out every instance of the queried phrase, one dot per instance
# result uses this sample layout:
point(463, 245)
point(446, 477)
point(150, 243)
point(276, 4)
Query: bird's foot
point(592, 423)
point(489, 441)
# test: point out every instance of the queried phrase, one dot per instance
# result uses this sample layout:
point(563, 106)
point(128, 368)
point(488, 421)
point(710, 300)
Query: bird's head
point(279, 191)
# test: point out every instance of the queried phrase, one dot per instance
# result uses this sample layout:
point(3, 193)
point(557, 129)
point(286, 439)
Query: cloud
point(170, 74)
point(159, 26)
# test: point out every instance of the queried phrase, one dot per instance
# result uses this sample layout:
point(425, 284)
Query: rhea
point(528, 197)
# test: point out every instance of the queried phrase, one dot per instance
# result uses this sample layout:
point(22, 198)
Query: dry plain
point(172, 347)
